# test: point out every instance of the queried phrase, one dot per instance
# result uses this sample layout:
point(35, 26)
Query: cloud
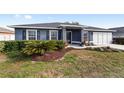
point(27, 16)
point(23, 16)
point(49, 17)
point(17, 16)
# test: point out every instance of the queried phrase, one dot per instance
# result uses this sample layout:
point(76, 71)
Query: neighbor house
point(6, 34)
point(68, 32)
point(119, 32)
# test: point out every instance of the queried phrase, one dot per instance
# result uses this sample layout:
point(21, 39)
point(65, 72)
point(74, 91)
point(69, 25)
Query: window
point(31, 34)
point(53, 35)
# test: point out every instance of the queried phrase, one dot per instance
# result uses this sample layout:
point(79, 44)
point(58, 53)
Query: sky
point(97, 20)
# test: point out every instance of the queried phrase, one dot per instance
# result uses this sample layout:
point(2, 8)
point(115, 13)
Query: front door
point(69, 36)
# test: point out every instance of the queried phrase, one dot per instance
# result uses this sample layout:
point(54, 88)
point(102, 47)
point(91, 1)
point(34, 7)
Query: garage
point(102, 37)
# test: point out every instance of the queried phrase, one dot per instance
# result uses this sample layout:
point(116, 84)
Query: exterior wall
point(18, 34)
point(90, 36)
point(12, 37)
point(42, 34)
point(76, 35)
point(6, 36)
point(47, 35)
point(118, 34)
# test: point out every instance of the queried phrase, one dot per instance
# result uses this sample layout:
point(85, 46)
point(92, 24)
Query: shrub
point(16, 56)
point(2, 46)
point(33, 47)
point(60, 44)
point(10, 46)
point(13, 45)
point(41, 47)
point(118, 41)
point(49, 45)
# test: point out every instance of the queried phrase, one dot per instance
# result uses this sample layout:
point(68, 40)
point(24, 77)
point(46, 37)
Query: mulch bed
point(51, 56)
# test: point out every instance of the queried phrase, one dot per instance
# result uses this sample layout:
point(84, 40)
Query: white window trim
point(27, 30)
point(52, 31)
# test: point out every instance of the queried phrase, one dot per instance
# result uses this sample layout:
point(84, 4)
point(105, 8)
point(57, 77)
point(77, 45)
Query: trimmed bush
point(118, 41)
point(32, 47)
point(60, 44)
point(2, 44)
point(13, 46)
point(39, 48)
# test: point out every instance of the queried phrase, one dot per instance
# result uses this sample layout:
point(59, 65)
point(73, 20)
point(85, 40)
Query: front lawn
point(76, 63)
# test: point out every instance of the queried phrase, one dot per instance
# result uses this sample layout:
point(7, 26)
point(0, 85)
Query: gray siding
point(76, 35)
point(47, 35)
point(90, 36)
point(19, 34)
point(118, 34)
point(42, 34)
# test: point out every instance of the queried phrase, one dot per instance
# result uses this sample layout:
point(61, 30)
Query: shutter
point(47, 35)
point(38, 35)
point(24, 34)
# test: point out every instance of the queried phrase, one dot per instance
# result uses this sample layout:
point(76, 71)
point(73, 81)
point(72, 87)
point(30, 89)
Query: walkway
point(121, 47)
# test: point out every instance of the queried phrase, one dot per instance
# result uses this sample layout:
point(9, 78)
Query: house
point(6, 34)
point(119, 32)
point(68, 32)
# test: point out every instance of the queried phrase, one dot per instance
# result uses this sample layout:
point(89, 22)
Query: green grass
point(76, 63)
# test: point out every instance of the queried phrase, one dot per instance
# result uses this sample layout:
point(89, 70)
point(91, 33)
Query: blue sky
point(98, 20)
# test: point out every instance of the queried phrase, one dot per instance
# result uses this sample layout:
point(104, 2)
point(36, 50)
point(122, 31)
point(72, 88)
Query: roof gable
point(2, 29)
point(120, 29)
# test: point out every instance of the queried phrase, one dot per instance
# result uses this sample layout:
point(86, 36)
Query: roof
point(4, 30)
point(91, 27)
point(120, 29)
point(54, 25)
point(57, 25)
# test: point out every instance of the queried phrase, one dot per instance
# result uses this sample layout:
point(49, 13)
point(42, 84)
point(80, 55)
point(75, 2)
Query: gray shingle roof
point(2, 29)
point(54, 24)
point(91, 27)
point(120, 29)
point(57, 24)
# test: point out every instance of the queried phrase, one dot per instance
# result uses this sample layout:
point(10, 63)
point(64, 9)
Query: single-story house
point(68, 32)
point(119, 32)
point(6, 34)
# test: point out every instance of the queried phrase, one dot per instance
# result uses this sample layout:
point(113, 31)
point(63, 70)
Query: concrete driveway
point(116, 46)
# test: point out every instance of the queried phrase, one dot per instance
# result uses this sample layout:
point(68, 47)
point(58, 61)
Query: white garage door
point(102, 37)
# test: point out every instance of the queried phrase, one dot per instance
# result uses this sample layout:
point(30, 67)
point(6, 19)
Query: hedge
point(118, 41)
point(13, 45)
point(31, 47)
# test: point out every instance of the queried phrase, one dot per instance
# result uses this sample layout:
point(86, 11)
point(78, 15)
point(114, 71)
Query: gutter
point(99, 30)
point(33, 27)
